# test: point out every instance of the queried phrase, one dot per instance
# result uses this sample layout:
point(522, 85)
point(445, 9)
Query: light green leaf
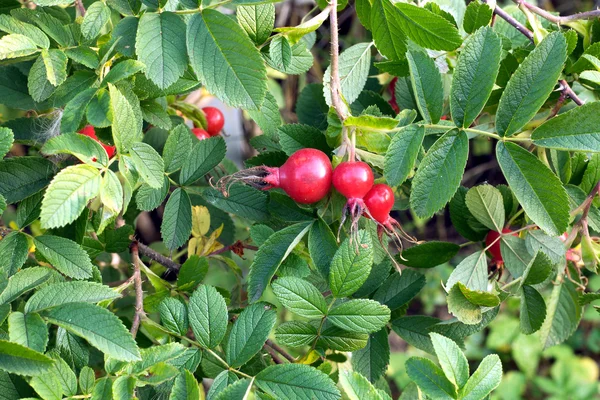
point(148, 199)
point(357, 387)
point(280, 53)
point(295, 33)
point(351, 265)
point(538, 190)
point(514, 254)
point(47, 386)
point(427, 29)
point(338, 339)
point(531, 84)
point(538, 269)
point(126, 126)
point(100, 327)
point(111, 193)
point(159, 45)
point(155, 114)
point(354, 66)
point(28, 330)
point(295, 333)
point(55, 62)
point(270, 255)
point(174, 315)
point(553, 247)
point(192, 272)
point(208, 316)
point(157, 355)
point(532, 310)
point(242, 200)
point(484, 380)
point(83, 147)
point(20, 360)
point(96, 16)
point(372, 360)
point(398, 290)
point(293, 137)
point(474, 76)
point(451, 358)
point(240, 389)
point(471, 272)
point(439, 173)
point(257, 20)
point(10, 24)
point(15, 45)
point(6, 140)
point(389, 37)
point(14, 249)
point(176, 226)
point(22, 282)
point(65, 255)
point(430, 378)
point(61, 293)
point(296, 381)
point(206, 154)
point(75, 109)
point(148, 163)
point(300, 297)
point(249, 333)
point(123, 70)
point(185, 387)
point(123, 388)
point(360, 315)
point(38, 84)
point(479, 297)
point(402, 154)
point(223, 380)
point(459, 306)
point(177, 148)
point(478, 14)
point(574, 130)
point(235, 71)
point(83, 55)
point(562, 317)
point(103, 389)
point(426, 84)
point(65, 374)
point(268, 117)
point(21, 177)
point(487, 206)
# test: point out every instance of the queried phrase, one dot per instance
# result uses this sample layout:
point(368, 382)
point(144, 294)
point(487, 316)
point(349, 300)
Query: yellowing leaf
point(200, 221)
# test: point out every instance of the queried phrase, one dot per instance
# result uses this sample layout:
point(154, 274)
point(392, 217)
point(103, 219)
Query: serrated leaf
point(372, 360)
point(531, 84)
point(86, 379)
point(338, 339)
point(238, 390)
point(451, 358)
point(103, 389)
point(398, 290)
point(22, 282)
point(538, 190)
point(176, 226)
point(62, 293)
point(300, 297)
point(402, 154)
point(270, 255)
point(206, 154)
point(47, 386)
point(159, 45)
point(257, 20)
point(55, 62)
point(174, 315)
point(351, 265)
point(20, 360)
point(65, 375)
point(474, 76)
point(354, 66)
point(6, 141)
point(360, 315)
point(439, 173)
point(14, 249)
point(562, 317)
point(428, 29)
point(28, 330)
point(296, 333)
point(185, 387)
point(148, 163)
point(486, 378)
point(388, 34)
point(126, 126)
point(249, 333)
point(459, 306)
point(296, 381)
point(123, 387)
point(12, 25)
point(514, 254)
point(21, 177)
point(486, 204)
point(532, 310)
point(241, 200)
point(322, 246)
point(223, 380)
point(235, 71)
point(100, 327)
point(65, 255)
point(155, 114)
point(311, 107)
point(16, 45)
point(471, 272)
point(430, 378)
point(85, 56)
point(429, 254)
point(357, 387)
point(537, 270)
point(426, 84)
point(177, 148)
point(478, 14)
point(75, 109)
point(148, 199)
point(268, 117)
point(123, 70)
point(293, 137)
point(208, 316)
point(192, 272)
point(479, 297)
point(96, 16)
point(38, 84)
point(83, 147)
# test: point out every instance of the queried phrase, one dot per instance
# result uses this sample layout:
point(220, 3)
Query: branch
point(557, 19)
point(156, 256)
point(139, 294)
point(335, 85)
point(566, 89)
point(273, 354)
point(281, 351)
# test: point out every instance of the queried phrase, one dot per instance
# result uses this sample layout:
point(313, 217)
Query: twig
point(508, 18)
point(281, 351)
point(139, 293)
point(80, 7)
point(273, 354)
point(156, 256)
point(566, 89)
point(557, 19)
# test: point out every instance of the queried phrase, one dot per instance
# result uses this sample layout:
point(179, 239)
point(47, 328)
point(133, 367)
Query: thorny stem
point(273, 354)
point(281, 351)
point(139, 293)
point(557, 19)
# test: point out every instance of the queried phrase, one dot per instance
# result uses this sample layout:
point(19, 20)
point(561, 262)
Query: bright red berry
point(353, 179)
point(495, 248)
point(214, 120)
point(380, 201)
point(89, 131)
point(200, 133)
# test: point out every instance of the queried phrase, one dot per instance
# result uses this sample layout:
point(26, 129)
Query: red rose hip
point(89, 131)
point(214, 120)
point(200, 133)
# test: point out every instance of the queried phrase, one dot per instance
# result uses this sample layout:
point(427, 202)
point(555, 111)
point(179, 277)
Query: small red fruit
point(305, 176)
point(495, 248)
point(380, 201)
point(353, 179)
point(214, 120)
point(200, 133)
point(89, 131)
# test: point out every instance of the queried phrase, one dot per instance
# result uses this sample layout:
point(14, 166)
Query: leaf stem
point(478, 132)
point(557, 19)
point(512, 283)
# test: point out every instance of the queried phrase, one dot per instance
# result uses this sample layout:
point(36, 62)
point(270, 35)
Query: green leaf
point(192, 272)
point(15, 45)
point(296, 333)
point(62, 293)
point(514, 254)
point(96, 16)
point(338, 339)
point(471, 272)
point(372, 360)
point(562, 317)
point(398, 290)
point(10, 24)
point(155, 114)
point(6, 141)
point(123, 70)
point(223, 380)
point(148, 163)
point(249, 333)
point(487, 206)
point(75, 109)
point(351, 265)
point(354, 64)
point(239, 389)
point(206, 154)
point(479, 297)
point(439, 173)
point(176, 226)
point(103, 389)
point(177, 148)
point(552, 247)
point(270, 255)
point(38, 84)
point(65, 255)
point(21, 177)
point(159, 45)
point(47, 386)
point(426, 84)
point(86, 379)
point(388, 35)
point(538, 190)
point(360, 315)
point(14, 249)
point(532, 83)
point(429, 254)
point(22, 282)
point(402, 154)
point(451, 358)
point(484, 380)
point(474, 76)
point(538, 270)
point(100, 327)
point(430, 378)
point(242, 200)
point(111, 193)
point(311, 107)
point(20, 360)
point(257, 20)
point(295, 33)
point(126, 126)
point(574, 130)
point(185, 387)
point(427, 29)
point(300, 297)
point(321, 246)
point(460, 306)
point(148, 199)
point(65, 375)
point(85, 56)
point(357, 387)
point(55, 62)
point(208, 316)
point(296, 381)
point(28, 330)
point(123, 388)
point(532, 310)
point(280, 53)
point(268, 117)
point(235, 71)
point(174, 315)
point(293, 137)
point(478, 14)
point(83, 147)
